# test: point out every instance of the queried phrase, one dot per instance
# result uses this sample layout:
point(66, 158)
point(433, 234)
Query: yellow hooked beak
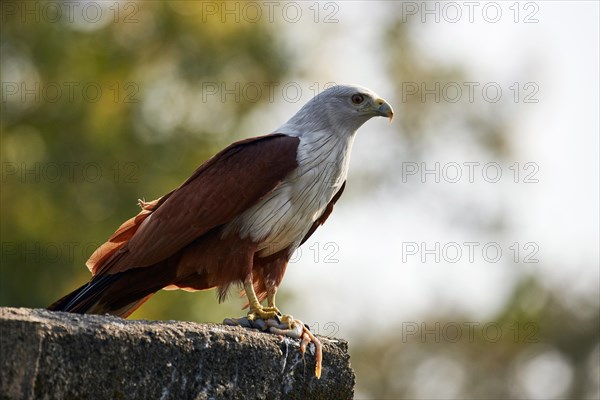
point(383, 109)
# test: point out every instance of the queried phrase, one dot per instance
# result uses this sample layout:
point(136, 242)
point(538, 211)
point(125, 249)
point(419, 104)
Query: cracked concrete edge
point(47, 355)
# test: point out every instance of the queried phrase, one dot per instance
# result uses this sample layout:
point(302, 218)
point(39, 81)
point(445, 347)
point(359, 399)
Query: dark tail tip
point(84, 299)
point(117, 294)
point(62, 303)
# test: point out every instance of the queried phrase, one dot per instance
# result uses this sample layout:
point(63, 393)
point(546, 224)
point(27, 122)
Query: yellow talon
point(288, 320)
point(275, 309)
point(260, 312)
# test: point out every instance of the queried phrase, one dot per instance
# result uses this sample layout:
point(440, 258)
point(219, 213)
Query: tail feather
point(85, 300)
point(118, 294)
point(61, 304)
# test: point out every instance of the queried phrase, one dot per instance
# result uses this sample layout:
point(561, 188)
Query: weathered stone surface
point(55, 355)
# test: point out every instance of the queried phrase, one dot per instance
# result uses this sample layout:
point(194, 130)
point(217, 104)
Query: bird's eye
point(357, 98)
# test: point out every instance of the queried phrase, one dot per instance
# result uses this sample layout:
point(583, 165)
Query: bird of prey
point(238, 218)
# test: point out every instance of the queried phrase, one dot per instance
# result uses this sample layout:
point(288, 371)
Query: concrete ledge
point(55, 355)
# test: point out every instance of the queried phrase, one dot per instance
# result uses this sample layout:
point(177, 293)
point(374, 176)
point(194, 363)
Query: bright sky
point(556, 218)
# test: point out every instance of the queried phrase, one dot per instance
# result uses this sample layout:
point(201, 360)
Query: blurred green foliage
point(93, 119)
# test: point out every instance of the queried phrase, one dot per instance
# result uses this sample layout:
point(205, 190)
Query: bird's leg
point(271, 292)
point(285, 319)
point(256, 310)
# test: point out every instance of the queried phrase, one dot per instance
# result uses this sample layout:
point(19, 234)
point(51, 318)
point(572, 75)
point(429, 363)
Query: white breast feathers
point(283, 218)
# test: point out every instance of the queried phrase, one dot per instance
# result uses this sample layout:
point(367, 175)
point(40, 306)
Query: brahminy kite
point(238, 218)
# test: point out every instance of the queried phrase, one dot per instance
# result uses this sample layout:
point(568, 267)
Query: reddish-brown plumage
point(122, 235)
point(177, 241)
point(221, 188)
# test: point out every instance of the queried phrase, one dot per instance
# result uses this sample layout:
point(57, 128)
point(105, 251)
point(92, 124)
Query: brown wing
point(220, 189)
point(123, 234)
point(325, 214)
